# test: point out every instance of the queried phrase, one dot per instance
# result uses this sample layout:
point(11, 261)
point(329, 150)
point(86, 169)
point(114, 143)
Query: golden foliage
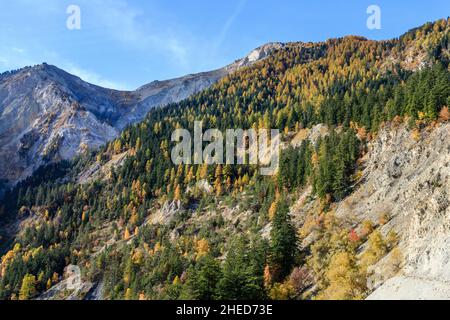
point(395, 261)
point(377, 249)
point(28, 288)
point(273, 210)
point(142, 297)
point(128, 294)
point(282, 291)
point(346, 282)
point(177, 194)
point(267, 277)
point(126, 234)
point(444, 115)
point(415, 134)
point(202, 248)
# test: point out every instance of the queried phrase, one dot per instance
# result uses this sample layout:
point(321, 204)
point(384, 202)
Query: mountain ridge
point(48, 114)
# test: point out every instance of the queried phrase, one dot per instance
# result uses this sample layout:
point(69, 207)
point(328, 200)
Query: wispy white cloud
point(18, 50)
point(94, 78)
point(129, 25)
point(229, 23)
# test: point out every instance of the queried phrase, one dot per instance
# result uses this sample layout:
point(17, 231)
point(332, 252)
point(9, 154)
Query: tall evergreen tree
point(284, 242)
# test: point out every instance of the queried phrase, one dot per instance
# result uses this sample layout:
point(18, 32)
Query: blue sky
point(125, 44)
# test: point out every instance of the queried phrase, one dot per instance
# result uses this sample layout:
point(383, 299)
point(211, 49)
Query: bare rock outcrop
point(407, 179)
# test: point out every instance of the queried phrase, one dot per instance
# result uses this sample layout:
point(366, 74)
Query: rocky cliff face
point(407, 180)
point(47, 114)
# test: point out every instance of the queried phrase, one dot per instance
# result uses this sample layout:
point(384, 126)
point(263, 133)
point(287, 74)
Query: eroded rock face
point(47, 114)
point(412, 288)
point(409, 181)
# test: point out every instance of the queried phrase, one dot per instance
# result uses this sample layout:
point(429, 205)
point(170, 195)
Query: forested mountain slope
point(140, 227)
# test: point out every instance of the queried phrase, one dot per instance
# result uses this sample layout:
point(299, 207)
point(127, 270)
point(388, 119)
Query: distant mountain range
point(47, 114)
